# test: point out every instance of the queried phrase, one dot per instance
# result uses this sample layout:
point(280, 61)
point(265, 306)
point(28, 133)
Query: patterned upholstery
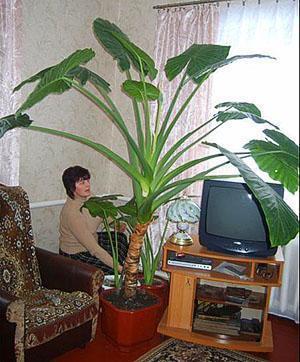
point(47, 313)
point(19, 272)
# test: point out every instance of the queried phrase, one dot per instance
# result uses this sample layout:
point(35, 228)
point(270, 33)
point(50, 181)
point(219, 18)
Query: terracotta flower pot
point(160, 288)
point(126, 329)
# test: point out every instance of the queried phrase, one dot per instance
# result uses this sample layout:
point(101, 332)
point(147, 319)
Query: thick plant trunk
point(132, 260)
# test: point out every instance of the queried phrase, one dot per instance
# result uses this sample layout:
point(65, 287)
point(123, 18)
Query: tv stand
point(245, 286)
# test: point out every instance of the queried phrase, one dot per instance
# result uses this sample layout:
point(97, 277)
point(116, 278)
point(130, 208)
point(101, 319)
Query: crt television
point(232, 221)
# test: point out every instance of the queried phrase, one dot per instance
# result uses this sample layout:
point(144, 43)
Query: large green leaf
point(138, 57)
point(83, 75)
point(199, 74)
point(137, 90)
point(13, 121)
point(117, 44)
point(40, 74)
point(79, 73)
point(32, 79)
point(197, 58)
point(130, 208)
point(280, 159)
point(102, 206)
point(104, 32)
point(56, 80)
point(281, 220)
point(241, 106)
point(242, 110)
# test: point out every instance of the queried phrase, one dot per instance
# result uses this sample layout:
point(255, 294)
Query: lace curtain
point(177, 29)
point(267, 27)
point(9, 77)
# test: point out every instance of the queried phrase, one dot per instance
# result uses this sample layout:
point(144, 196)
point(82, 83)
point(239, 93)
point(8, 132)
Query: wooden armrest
point(60, 272)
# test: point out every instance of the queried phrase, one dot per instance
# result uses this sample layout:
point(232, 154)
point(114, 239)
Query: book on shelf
point(217, 318)
point(232, 329)
point(251, 326)
point(237, 295)
point(210, 291)
point(218, 331)
point(232, 324)
point(235, 270)
point(255, 298)
point(215, 310)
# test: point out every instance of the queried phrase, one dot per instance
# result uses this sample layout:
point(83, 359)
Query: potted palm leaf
point(150, 165)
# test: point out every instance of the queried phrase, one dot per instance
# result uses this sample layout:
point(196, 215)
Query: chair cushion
point(19, 272)
point(51, 312)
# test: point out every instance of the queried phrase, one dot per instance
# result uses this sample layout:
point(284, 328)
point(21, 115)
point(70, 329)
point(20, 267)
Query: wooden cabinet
point(244, 289)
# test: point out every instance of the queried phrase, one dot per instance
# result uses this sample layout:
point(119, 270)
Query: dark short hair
point(72, 175)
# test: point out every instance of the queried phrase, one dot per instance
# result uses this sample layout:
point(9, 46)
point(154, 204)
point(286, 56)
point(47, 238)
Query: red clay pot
point(127, 329)
point(160, 288)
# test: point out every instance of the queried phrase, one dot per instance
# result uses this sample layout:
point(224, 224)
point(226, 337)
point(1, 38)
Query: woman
point(78, 229)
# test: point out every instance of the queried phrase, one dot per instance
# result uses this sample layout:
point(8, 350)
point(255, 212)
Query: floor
point(285, 339)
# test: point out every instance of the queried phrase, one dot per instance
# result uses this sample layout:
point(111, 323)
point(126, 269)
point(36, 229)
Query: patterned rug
point(174, 350)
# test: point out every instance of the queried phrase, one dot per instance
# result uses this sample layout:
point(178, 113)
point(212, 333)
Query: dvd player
point(189, 265)
point(188, 261)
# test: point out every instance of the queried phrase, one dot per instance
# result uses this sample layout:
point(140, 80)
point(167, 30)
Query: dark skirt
point(103, 241)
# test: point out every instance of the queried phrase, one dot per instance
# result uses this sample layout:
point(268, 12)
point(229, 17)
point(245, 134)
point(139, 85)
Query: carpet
point(174, 350)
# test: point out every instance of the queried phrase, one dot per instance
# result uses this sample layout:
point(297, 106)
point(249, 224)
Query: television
point(232, 221)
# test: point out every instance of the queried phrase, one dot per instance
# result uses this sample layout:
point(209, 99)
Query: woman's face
point(82, 188)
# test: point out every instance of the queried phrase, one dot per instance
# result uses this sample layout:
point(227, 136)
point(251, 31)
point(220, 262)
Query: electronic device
point(232, 221)
point(188, 261)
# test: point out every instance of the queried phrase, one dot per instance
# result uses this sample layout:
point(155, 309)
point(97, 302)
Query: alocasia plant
point(151, 166)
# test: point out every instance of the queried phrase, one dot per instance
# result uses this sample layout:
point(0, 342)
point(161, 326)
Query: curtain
point(266, 27)
point(177, 29)
point(9, 77)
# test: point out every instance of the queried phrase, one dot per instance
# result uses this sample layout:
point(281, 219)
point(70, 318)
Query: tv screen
point(232, 221)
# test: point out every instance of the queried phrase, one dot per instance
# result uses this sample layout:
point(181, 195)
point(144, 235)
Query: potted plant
point(126, 328)
point(150, 165)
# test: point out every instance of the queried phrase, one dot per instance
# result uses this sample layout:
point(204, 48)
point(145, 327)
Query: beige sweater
point(78, 231)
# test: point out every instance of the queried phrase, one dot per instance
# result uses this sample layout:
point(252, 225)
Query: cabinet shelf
point(216, 276)
point(219, 341)
point(185, 292)
point(250, 275)
point(258, 299)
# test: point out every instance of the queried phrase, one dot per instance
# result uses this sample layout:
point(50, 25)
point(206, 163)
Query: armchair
point(48, 303)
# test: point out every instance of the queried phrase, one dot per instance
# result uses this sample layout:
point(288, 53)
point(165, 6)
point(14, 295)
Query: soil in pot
point(160, 287)
point(141, 300)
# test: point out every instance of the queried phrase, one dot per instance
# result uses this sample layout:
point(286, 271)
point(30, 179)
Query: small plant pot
point(127, 329)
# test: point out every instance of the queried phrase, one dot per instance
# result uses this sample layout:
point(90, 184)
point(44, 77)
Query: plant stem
point(114, 252)
point(139, 129)
point(172, 105)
